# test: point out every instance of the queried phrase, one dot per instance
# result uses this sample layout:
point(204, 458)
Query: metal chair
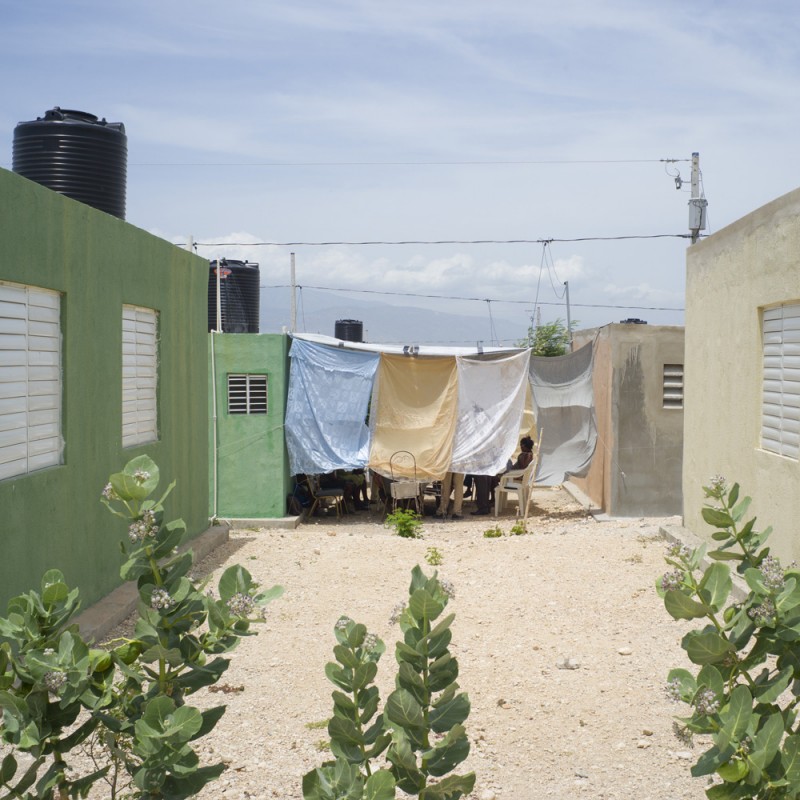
point(322, 496)
point(402, 487)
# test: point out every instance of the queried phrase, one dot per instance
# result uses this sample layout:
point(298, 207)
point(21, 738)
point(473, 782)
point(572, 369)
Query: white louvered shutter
point(139, 375)
point(30, 379)
point(673, 386)
point(780, 414)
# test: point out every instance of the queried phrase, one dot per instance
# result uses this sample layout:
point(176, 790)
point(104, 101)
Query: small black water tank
point(77, 155)
point(239, 292)
point(349, 330)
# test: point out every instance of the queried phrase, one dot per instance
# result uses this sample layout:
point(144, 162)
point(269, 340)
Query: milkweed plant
point(418, 737)
point(743, 693)
point(57, 690)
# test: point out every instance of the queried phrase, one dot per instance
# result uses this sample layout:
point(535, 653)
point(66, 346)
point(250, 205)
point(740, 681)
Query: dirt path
point(562, 641)
point(574, 589)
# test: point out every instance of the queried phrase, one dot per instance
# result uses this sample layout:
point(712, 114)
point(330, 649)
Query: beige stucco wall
point(730, 277)
point(637, 466)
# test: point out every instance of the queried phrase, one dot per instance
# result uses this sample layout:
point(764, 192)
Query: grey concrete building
point(638, 388)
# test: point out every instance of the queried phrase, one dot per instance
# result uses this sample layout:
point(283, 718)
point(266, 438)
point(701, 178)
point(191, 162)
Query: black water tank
point(77, 155)
point(239, 291)
point(349, 330)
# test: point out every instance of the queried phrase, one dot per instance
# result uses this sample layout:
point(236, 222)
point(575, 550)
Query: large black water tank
point(349, 330)
point(77, 155)
point(239, 291)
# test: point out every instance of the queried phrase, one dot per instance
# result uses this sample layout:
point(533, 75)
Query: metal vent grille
point(247, 394)
point(673, 386)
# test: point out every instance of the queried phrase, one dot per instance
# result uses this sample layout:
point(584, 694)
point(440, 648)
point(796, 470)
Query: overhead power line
point(441, 241)
point(461, 297)
point(521, 162)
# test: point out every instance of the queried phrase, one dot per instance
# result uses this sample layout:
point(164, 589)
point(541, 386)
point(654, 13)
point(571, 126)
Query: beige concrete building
point(638, 393)
point(742, 417)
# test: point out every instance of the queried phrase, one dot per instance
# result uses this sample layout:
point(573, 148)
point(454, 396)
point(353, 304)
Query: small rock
point(647, 732)
point(625, 651)
point(568, 663)
point(488, 794)
point(580, 773)
point(685, 755)
point(643, 744)
point(331, 533)
point(316, 551)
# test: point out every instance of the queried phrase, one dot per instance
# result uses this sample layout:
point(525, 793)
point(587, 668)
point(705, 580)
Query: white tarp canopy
point(564, 405)
point(456, 409)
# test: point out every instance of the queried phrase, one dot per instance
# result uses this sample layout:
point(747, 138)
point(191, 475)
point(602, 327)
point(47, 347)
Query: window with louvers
point(247, 394)
point(139, 375)
point(30, 379)
point(673, 386)
point(780, 407)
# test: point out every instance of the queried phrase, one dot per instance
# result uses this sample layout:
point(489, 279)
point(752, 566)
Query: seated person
point(485, 484)
point(347, 482)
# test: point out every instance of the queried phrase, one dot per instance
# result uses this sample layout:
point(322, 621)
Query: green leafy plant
point(133, 695)
point(519, 528)
point(745, 693)
point(434, 557)
point(421, 728)
point(550, 339)
point(407, 523)
point(493, 533)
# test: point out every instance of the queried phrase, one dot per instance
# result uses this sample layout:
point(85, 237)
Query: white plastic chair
point(520, 481)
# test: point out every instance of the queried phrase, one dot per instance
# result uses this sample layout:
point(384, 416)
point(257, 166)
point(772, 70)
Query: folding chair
point(322, 497)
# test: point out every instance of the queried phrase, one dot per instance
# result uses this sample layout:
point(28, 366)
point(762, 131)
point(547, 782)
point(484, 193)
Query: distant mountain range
point(384, 323)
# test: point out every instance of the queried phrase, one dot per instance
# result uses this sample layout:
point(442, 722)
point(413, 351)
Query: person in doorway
point(452, 482)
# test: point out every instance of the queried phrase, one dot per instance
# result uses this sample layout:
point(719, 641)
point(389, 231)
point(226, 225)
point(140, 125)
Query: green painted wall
point(53, 518)
point(252, 469)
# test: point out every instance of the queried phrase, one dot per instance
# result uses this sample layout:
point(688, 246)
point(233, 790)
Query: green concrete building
point(103, 357)
point(248, 466)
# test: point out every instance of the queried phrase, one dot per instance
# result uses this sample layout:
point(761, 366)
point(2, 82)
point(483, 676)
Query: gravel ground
point(563, 646)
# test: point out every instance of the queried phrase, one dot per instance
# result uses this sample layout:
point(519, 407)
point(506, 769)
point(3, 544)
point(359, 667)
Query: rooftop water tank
point(77, 155)
point(239, 292)
point(349, 330)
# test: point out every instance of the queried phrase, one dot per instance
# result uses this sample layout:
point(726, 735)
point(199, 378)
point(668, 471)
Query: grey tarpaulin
point(564, 403)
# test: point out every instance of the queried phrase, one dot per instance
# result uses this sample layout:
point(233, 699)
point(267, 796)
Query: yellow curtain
point(415, 409)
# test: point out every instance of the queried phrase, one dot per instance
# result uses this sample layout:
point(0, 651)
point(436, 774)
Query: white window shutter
point(30, 379)
point(139, 375)
point(780, 405)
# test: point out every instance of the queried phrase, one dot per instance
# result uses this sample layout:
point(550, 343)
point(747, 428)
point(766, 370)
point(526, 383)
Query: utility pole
point(293, 327)
point(569, 321)
point(697, 203)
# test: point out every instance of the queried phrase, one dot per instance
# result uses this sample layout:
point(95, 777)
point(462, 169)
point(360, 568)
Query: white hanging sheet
point(326, 410)
point(564, 400)
point(491, 402)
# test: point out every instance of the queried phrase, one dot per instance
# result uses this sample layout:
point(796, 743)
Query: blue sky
point(311, 121)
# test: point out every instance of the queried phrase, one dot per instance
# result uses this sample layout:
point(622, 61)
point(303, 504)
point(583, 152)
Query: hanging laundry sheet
point(414, 409)
point(327, 404)
point(491, 402)
point(564, 400)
